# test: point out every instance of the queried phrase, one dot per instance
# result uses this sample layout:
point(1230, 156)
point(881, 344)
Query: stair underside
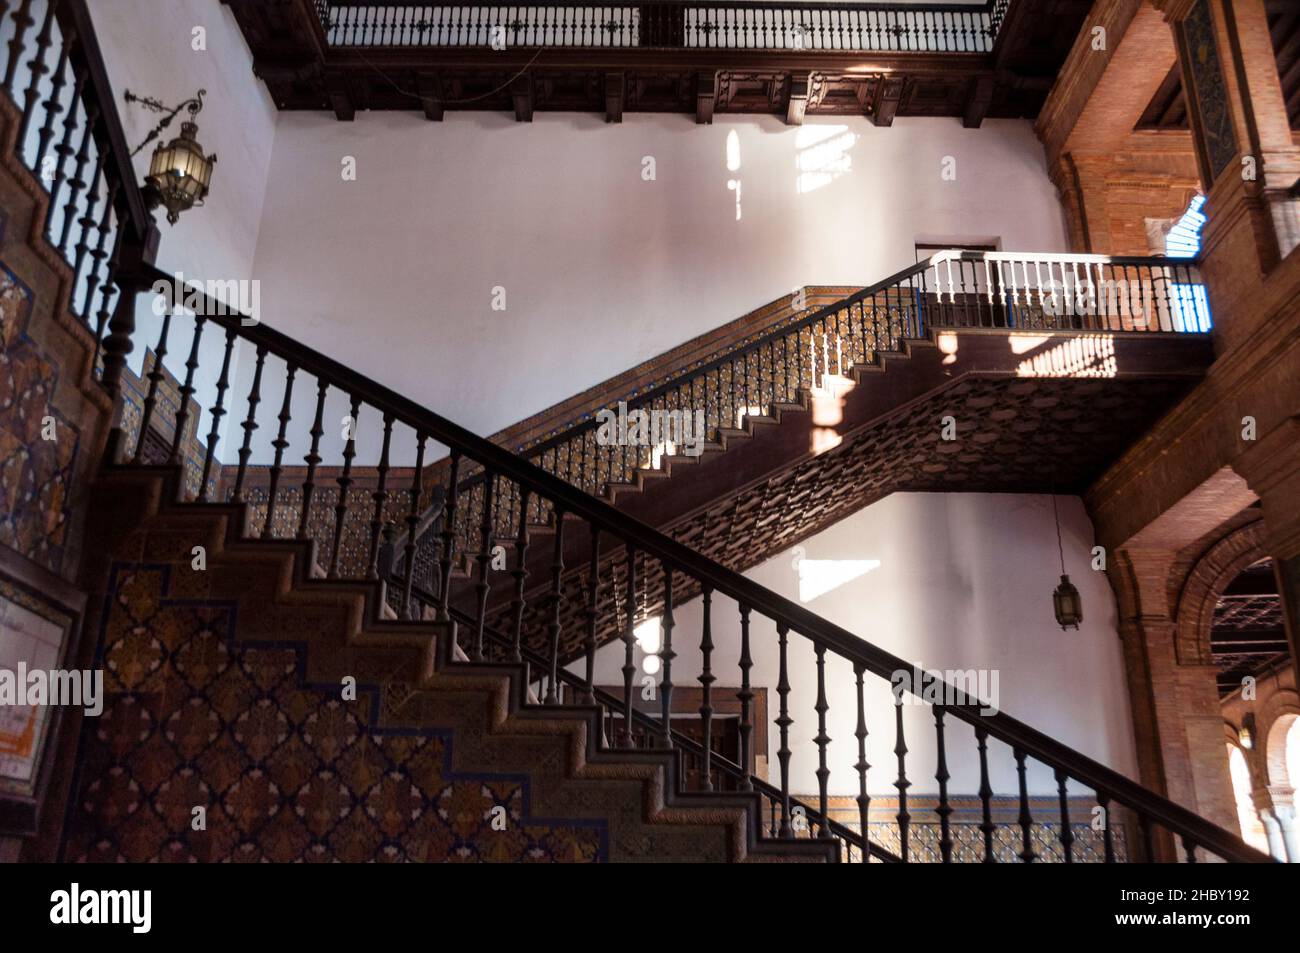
point(765, 489)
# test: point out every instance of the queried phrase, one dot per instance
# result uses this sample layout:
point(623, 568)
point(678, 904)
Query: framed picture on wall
point(40, 621)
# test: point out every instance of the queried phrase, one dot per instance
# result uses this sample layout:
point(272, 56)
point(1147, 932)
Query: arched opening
point(1293, 751)
point(1252, 828)
point(1247, 634)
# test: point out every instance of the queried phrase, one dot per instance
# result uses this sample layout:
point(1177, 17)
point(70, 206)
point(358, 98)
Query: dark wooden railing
point(502, 495)
point(950, 290)
point(70, 136)
point(668, 24)
point(514, 500)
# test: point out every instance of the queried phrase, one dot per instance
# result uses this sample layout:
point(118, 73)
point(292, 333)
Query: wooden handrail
point(75, 15)
point(920, 269)
point(717, 578)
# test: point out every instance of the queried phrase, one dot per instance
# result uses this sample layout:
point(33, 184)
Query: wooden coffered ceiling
point(789, 59)
point(1168, 107)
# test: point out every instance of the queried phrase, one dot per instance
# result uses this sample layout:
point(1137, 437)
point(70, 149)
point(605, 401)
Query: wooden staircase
point(233, 729)
point(616, 804)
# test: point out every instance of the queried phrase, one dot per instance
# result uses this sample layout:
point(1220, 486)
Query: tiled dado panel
point(36, 472)
point(286, 771)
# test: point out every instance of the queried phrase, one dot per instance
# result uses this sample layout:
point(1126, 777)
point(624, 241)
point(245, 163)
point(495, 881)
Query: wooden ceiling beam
point(706, 94)
point(798, 100)
point(615, 96)
point(521, 92)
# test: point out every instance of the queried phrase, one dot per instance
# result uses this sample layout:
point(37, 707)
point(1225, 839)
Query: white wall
point(965, 581)
point(152, 54)
point(395, 271)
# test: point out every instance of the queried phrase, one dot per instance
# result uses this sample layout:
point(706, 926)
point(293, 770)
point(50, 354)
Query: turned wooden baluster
point(1026, 821)
point(218, 411)
point(484, 559)
point(557, 605)
point(944, 809)
point(821, 739)
point(76, 184)
point(88, 221)
point(1067, 835)
point(37, 68)
point(53, 106)
point(1108, 842)
point(1148, 839)
point(520, 575)
point(344, 481)
point(249, 425)
point(94, 279)
point(666, 656)
point(313, 457)
point(279, 443)
point(380, 498)
point(593, 603)
point(902, 784)
point(987, 827)
point(706, 680)
point(1189, 848)
point(412, 524)
point(864, 799)
point(155, 376)
point(746, 698)
point(629, 643)
point(186, 392)
point(64, 148)
point(783, 722)
point(22, 20)
point(449, 545)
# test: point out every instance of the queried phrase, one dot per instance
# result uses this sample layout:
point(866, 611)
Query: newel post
point(135, 253)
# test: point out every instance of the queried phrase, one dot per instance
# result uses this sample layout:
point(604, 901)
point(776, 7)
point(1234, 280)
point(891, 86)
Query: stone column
point(1276, 806)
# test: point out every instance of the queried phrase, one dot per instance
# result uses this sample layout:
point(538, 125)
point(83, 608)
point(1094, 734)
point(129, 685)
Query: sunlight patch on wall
point(1024, 343)
point(1090, 355)
point(820, 576)
point(733, 165)
point(822, 156)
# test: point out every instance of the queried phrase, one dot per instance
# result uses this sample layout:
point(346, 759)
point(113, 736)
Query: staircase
point(231, 668)
point(430, 748)
point(824, 413)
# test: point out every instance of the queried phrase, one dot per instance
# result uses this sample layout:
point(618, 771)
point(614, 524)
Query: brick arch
point(1205, 582)
point(1275, 719)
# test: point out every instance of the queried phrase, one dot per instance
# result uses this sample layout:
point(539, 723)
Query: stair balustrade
point(71, 138)
point(359, 480)
point(510, 498)
point(667, 24)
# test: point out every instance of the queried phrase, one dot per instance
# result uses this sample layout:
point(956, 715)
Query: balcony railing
point(669, 24)
point(1010, 291)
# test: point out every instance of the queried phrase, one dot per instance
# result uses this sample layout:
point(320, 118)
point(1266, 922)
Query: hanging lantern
point(179, 172)
point(1068, 605)
point(1065, 600)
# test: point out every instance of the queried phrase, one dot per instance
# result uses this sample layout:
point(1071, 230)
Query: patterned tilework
point(286, 771)
point(1209, 88)
point(1087, 845)
point(162, 423)
point(35, 473)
